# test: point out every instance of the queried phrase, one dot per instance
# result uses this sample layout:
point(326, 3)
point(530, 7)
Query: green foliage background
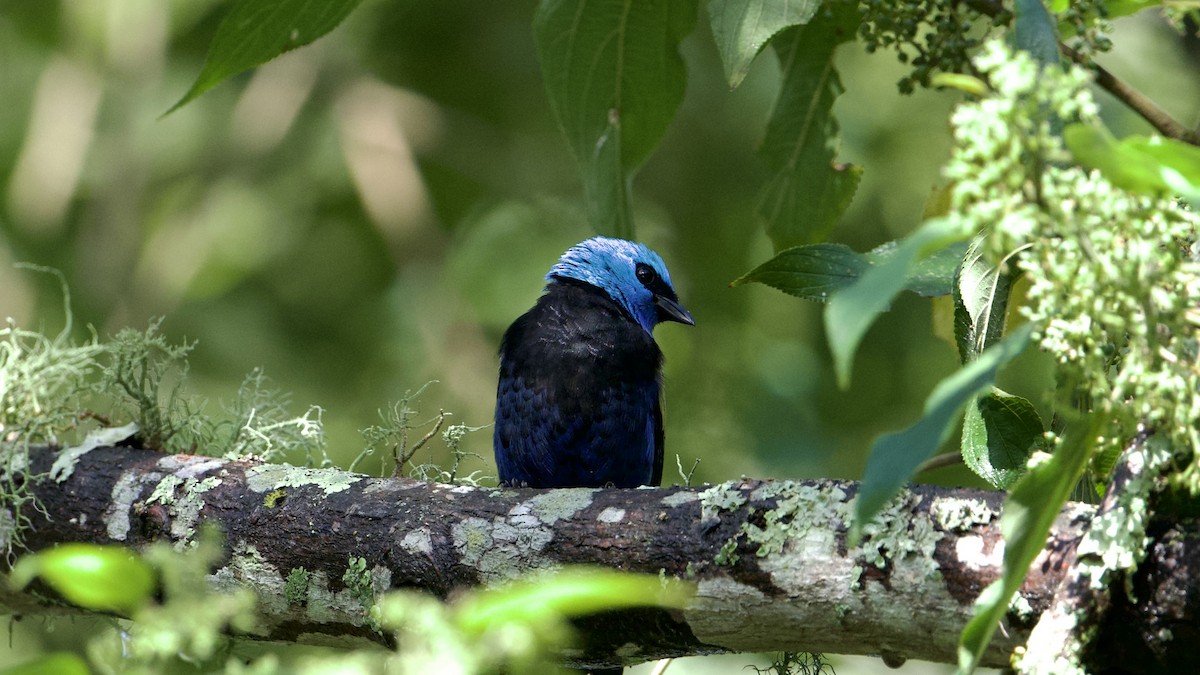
point(370, 212)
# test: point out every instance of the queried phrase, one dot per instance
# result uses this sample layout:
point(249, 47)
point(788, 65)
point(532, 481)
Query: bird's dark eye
point(646, 274)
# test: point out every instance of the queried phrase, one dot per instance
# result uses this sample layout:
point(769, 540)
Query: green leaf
point(742, 27)
point(1034, 31)
point(999, 433)
point(570, 593)
point(853, 309)
point(1146, 164)
point(1028, 514)
point(614, 78)
point(807, 192)
point(931, 276)
point(256, 31)
point(57, 663)
point(896, 456)
point(816, 271)
point(980, 303)
point(89, 575)
point(812, 272)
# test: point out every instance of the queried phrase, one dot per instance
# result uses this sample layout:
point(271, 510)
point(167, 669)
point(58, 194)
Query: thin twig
point(1156, 116)
point(939, 461)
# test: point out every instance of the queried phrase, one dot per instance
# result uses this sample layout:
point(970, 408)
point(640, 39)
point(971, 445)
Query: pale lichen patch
point(895, 536)
point(417, 542)
point(124, 493)
point(189, 466)
point(184, 500)
point(267, 477)
point(680, 498)
point(471, 537)
point(971, 552)
point(960, 515)
point(611, 515)
point(719, 499)
point(555, 505)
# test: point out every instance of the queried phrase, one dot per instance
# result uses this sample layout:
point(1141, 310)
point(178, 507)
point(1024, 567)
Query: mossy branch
point(788, 581)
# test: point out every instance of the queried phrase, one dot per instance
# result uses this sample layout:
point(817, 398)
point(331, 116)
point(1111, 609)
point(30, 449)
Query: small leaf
point(1034, 31)
point(811, 272)
point(965, 83)
point(895, 456)
point(256, 31)
point(807, 192)
point(981, 294)
point(999, 433)
point(853, 309)
point(1031, 508)
point(89, 575)
point(614, 78)
point(567, 594)
point(742, 27)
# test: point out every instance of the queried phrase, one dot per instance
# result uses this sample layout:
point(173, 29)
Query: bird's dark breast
point(577, 403)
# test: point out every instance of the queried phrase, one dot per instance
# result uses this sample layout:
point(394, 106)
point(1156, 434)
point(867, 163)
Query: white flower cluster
point(1114, 286)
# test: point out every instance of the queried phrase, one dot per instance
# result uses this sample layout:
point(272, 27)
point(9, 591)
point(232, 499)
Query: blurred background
point(369, 213)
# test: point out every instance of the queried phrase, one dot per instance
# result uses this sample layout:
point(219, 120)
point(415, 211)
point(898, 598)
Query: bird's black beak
point(671, 310)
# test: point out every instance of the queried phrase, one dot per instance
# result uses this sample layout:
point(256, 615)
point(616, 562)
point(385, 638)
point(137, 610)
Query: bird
point(578, 403)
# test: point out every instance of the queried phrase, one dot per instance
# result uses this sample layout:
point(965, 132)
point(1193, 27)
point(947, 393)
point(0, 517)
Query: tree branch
point(1156, 116)
point(770, 560)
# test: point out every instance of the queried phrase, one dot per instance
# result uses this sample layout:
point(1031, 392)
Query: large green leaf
point(807, 192)
point(614, 77)
point(816, 271)
point(896, 456)
point(812, 272)
point(999, 433)
point(742, 27)
point(853, 309)
point(1034, 31)
point(256, 31)
point(1028, 514)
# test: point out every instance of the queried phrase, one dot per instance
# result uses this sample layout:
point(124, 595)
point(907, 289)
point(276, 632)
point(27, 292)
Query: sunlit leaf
point(895, 456)
point(571, 593)
point(999, 433)
point(89, 575)
point(614, 77)
point(1147, 164)
point(256, 31)
point(853, 309)
point(742, 27)
point(57, 663)
point(806, 191)
point(1028, 514)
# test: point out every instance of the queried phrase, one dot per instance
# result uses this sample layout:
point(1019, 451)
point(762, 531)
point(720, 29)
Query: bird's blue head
point(633, 275)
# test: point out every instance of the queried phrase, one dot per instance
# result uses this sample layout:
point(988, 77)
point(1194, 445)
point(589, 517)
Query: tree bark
point(770, 560)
